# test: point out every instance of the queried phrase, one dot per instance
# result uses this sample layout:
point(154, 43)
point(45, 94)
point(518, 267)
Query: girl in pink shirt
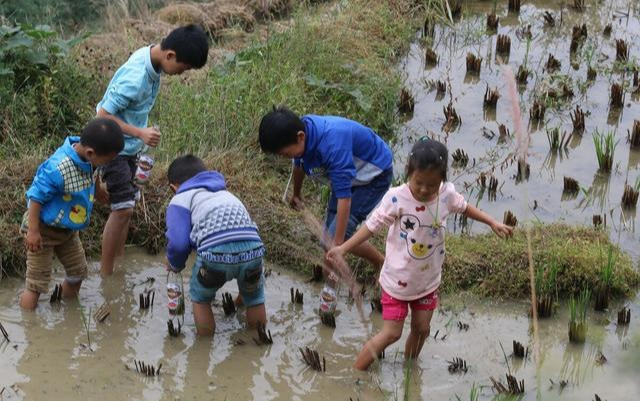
point(416, 214)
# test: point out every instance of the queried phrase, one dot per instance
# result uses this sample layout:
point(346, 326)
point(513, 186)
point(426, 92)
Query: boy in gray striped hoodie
point(206, 217)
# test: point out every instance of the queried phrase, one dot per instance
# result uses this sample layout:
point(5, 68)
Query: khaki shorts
point(66, 245)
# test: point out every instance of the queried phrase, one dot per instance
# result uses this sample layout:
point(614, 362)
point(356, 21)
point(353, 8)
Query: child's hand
point(335, 254)
point(33, 241)
point(150, 136)
point(102, 196)
point(296, 203)
point(502, 230)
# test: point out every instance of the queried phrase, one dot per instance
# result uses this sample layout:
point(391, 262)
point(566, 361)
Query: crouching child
point(205, 217)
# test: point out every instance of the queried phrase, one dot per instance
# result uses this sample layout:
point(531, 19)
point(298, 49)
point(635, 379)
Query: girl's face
point(425, 184)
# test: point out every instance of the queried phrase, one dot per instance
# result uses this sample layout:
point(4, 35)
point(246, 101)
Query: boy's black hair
point(104, 136)
point(190, 44)
point(428, 154)
point(184, 168)
point(279, 129)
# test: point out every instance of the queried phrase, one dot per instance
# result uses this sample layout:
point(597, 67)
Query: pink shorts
point(396, 309)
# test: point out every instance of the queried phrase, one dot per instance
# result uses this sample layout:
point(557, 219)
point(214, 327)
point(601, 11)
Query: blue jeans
point(236, 260)
point(364, 199)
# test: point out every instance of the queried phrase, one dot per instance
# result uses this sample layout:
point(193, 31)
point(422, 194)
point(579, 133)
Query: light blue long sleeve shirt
point(131, 94)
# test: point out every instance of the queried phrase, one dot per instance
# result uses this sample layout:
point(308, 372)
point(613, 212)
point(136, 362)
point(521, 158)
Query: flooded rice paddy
point(51, 356)
point(532, 40)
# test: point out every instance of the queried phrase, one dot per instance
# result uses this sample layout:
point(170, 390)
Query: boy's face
point(296, 149)
point(98, 160)
point(171, 66)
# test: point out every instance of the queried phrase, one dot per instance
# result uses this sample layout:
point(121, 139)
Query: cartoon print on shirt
point(415, 235)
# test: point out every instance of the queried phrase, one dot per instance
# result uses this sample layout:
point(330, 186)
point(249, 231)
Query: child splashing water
point(416, 214)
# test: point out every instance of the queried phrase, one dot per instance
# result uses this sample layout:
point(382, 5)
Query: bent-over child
point(348, 156)
point(206, 217)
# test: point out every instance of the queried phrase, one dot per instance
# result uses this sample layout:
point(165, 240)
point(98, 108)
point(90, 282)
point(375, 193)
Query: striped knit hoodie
point(202, 215)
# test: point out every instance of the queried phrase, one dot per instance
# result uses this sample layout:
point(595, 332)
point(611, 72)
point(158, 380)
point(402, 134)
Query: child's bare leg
point(420, 328)
point(203, 317)
point(29, 299)
point(114, 237)
point(70, 290)
point(256, 314)
point(391, 332)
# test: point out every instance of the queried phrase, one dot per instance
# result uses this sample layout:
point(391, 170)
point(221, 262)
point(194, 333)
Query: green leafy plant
point(474, 393)
point(605, 145)
point(546, 289)
point(40, 90)
point(27, 52)
point(578, 316)
point(607, 266)
point(556, 140)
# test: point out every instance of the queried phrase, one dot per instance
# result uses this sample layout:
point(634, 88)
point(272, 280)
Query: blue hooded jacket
point(65, 187)
point(203, 215)
point(342, 153)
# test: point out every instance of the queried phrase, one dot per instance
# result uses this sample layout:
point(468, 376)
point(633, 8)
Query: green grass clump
point(546, 291)
point(607, 278)
point(605, 145)
point(578, 325)
point(490, 266)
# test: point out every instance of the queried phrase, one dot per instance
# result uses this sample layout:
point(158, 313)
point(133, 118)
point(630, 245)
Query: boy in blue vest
point(344, 154)
point(128, 100)
point(60, 201)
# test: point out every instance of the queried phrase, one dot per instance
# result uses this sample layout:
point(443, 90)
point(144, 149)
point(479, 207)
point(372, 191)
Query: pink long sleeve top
point(415, 243)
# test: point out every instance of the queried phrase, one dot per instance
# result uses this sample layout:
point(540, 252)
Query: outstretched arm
point(501, 230)
point(358, 238)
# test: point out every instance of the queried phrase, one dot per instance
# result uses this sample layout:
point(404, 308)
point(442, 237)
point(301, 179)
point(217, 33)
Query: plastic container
point(175, 297)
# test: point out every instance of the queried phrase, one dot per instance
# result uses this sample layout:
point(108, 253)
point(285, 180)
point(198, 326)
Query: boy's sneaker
point(328, 300)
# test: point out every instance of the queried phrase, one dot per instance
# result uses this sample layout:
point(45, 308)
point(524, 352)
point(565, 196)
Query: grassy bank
point(491, 266)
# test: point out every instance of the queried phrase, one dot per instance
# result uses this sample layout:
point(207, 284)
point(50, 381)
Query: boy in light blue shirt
point(128, 100)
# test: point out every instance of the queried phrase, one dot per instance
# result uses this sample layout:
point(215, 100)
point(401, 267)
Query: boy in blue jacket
point(344, 154)
point(60, 201)
point(206, 217)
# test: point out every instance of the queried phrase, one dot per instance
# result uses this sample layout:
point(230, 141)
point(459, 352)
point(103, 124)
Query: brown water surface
point(48, 357)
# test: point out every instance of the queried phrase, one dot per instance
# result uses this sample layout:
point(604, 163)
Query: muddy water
point(539, 198)
point(49, 358)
